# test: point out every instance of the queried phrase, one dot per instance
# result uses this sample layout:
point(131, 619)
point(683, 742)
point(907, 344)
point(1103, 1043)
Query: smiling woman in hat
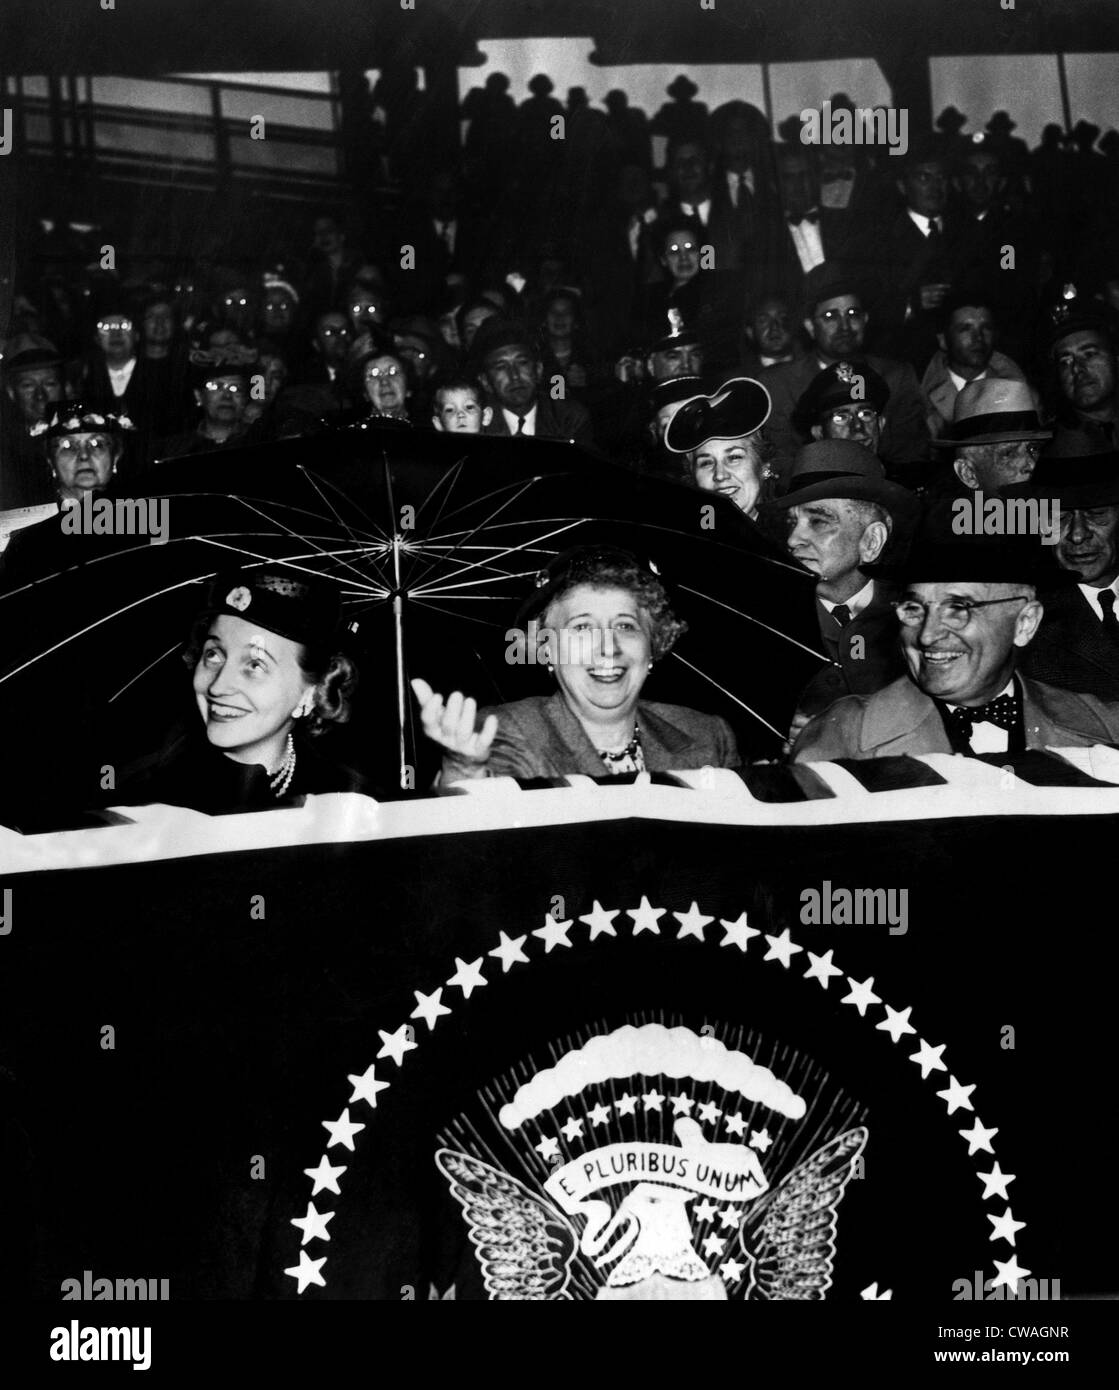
point(719, 436)
point(600, 619)
point(269, 678)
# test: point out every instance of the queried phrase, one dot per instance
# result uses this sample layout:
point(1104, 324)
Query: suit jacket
point(865, 655)
point(540, 737)
point(1071, 650)
point(564, 419)
point(903, 719)
point(905, 438)
point(940, 390)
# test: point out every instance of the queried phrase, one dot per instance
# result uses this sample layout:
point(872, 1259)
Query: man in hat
point(1077, 644)
point(509, 363)
point(996, 435)
point(968, 607)
point(1082, 348)
point(32, 373)
point(719, 435)
point(840, 512)
point(966, 352)
point(624, 419)
point(845, 401)
point(731, 229)
point(836, 320)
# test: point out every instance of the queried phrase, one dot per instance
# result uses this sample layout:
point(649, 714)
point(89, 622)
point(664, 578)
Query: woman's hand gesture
point(450, 723)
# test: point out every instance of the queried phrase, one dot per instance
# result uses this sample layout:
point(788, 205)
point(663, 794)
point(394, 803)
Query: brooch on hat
point(675, 323)
point(542, 580)
point(845, 373)
point(239, 598)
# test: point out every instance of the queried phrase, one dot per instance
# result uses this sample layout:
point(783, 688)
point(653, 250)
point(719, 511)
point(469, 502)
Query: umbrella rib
point(684, 588)
point(520, 489)
point(298, 536)
point(677, 657)
point(271, 560)
point(515, 549)
point(145, 671)
point(337, 514)
point(459, 617)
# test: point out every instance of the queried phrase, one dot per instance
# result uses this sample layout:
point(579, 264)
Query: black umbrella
point(433, 540)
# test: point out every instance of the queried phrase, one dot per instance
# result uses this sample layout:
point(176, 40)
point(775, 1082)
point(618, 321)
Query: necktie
point(1110, 618)
point(934, 237)
point(958, 719)
point(520, 424)
point(842, 614)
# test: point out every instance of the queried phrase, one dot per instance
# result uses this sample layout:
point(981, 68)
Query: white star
point(821, 968)
point(1005, 1226)
point(553, 933)
point(996, 1182)
point(342, 1130)
point(955, 1097)
point(626, 1104)
point(468, 977)
point(760, 1140)
point(731, 1270)
point(395, 1045)
point(730, 1217)
point(313, 1225)
point(645, 917)
point(781, 948)
point(599, 920)
point(1009, 1272)
point(897, 1023)
point(691, 922)
point(573, 1129)
point(736, 1125)
point(738, 932)
point(307, 1271)
point(653, 1100)
point(978, 1138)
point(600, 1114)
point(325, 1176)
point(547, 1148)
point(929, 1058)
point(509, 952)
point(871, 1295)
point(862, 995)
point(366, 1086)
point(429, 1007)
point(709, 1112)
point(706, 1210)
point(714, 1245)
point(682, 1105)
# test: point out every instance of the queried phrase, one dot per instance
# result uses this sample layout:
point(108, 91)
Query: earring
point(551, 669)
point(303, 708)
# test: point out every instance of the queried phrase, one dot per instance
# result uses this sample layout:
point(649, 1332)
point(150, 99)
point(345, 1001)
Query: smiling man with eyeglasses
point(967, 609)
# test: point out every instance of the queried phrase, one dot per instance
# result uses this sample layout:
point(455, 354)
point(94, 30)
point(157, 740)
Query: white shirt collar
point(1092, 594)
point(856, 603)
point(1008, 689)
point(511, 418)
point(960, 382)
point(700, 210)
point(747, 176)
point(920, 221)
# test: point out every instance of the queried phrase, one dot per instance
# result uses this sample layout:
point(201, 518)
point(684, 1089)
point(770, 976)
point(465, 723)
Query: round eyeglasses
point(954, 612)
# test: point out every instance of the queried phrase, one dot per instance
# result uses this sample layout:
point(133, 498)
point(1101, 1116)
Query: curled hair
point(608, 572)
point(331, 672)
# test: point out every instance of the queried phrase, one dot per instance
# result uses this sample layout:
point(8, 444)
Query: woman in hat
point(220, 378)
point(719, 438)
point(84, 446)
point(269, 679)
point(600, 619)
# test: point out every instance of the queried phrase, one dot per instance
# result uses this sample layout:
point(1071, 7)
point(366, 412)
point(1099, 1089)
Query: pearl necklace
point(281, 778)
point(629, 751)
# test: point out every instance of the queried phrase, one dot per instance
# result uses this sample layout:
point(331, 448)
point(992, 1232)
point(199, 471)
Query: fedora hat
point(828, 280)
point(993, 410)
point(679, 334)
point(1078, 470)
point(840, 468)
point(939, 555)
point(738, 408)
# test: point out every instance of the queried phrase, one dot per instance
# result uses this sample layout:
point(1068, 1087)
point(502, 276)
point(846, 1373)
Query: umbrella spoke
point(458, 616)
point(271, 560)
point(296, 535)
point(140, 674)
point(518, 549)
point(684, 588)
point(520, 489)
point(723, 690)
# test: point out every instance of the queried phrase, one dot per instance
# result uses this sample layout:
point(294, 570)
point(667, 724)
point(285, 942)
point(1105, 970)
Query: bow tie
point(1005, 712)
